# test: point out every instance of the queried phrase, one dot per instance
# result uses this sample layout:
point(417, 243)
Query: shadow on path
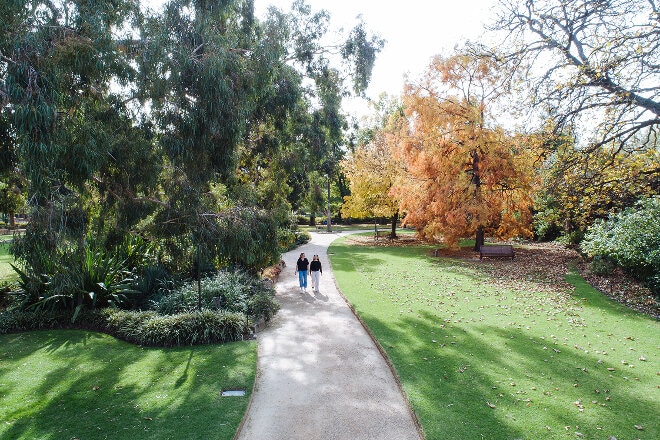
point(320, 376)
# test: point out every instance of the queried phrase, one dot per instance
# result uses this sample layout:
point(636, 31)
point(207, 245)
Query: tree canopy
point(373, 168)
point(590, 64)
point(176, 125)
point(464, 175)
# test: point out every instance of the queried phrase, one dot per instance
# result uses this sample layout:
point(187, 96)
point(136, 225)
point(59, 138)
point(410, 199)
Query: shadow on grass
point(499, 382)
point(347, 257)
point(74, 384)
point(485, 352)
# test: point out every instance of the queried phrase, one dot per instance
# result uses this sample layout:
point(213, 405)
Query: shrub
point(151, 329)
point(572, 238)
point(262, 306)
point(86, 277)
point(16, 320)
point(302, 237)
point(286, 239)
point(631, 239)
point(234, 291)
point(601, 265)
point(151, 283)
point(142, 328)
point(247, 237)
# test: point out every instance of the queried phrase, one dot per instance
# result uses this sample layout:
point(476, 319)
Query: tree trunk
point(312, 220)
point(12, 222)
point(479, 240)
point(395, 219)
point(476, 180)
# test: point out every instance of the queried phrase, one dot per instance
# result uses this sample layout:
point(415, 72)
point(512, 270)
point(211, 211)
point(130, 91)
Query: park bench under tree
point(496, 250)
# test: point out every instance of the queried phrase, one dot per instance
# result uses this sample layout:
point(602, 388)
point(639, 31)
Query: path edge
point(383, 353)
point(257, 373)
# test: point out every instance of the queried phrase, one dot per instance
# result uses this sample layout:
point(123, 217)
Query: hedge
point(141, 328)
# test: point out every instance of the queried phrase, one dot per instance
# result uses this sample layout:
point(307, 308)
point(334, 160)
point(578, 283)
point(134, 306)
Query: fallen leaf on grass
point(639, 427)
point(491, 405)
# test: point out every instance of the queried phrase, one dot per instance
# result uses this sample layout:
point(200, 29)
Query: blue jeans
point(302, 278)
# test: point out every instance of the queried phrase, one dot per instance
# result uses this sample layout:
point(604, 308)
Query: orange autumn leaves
point(461, 173)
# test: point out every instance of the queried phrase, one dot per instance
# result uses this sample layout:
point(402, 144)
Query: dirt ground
point(542, 262)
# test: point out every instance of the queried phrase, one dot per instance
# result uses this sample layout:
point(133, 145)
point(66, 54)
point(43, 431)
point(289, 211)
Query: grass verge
point(6, 258)
point(76, 384)
point(481, 358)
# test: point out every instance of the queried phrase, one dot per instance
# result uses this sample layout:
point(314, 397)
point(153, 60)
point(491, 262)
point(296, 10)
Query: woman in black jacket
point(317, 270)
point(301, 269)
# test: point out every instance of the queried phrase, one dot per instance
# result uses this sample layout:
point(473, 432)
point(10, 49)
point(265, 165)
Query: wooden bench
point(496, 250)
point(383, 233)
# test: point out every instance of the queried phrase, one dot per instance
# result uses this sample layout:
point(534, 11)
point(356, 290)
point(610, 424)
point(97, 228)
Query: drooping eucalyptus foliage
point(182, 125)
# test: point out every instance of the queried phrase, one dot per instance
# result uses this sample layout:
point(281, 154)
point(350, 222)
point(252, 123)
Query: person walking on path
point(301, 269)
point(316, 271)
point(320, 376)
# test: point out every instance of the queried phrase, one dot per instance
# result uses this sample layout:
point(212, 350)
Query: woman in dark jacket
point(301, 269)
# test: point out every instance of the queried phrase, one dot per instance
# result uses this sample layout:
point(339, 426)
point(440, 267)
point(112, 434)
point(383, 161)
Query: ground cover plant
point(77, 384)
point(485, 353)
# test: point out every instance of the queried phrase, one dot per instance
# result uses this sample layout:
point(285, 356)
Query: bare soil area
point(544, 262)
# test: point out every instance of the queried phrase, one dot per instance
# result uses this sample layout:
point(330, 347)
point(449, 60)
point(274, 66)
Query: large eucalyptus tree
point(130, 120)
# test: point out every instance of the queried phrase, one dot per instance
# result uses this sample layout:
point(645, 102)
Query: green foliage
point(262, 306)
point(150, 282)
point(247, 237)
point(192, 328)
point(601, 265)
point(572, 238)
point(137, 327)
point(125, 121)
point(286, 239)
point(302, 220)
point(87, 278)
point(631, 239)
point(302, 237)
point(12, 198)
point(16, 320)
point(235, 291)
point(361, 50)
point(580, 186)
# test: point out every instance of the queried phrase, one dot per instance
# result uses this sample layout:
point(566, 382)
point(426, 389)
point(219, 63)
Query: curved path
point(319, 374)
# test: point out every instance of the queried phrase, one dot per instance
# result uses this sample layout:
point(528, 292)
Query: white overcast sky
point(414, 30)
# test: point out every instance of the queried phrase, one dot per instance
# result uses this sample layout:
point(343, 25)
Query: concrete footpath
point(319, 374)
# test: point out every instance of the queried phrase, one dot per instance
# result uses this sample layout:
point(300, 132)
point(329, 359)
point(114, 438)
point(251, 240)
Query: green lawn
point(481, 359)
point(6, 272)
point(86, 385)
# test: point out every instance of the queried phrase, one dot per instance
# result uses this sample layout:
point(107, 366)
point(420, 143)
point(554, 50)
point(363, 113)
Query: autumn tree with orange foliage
point(372, 170)
point(465, 177)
